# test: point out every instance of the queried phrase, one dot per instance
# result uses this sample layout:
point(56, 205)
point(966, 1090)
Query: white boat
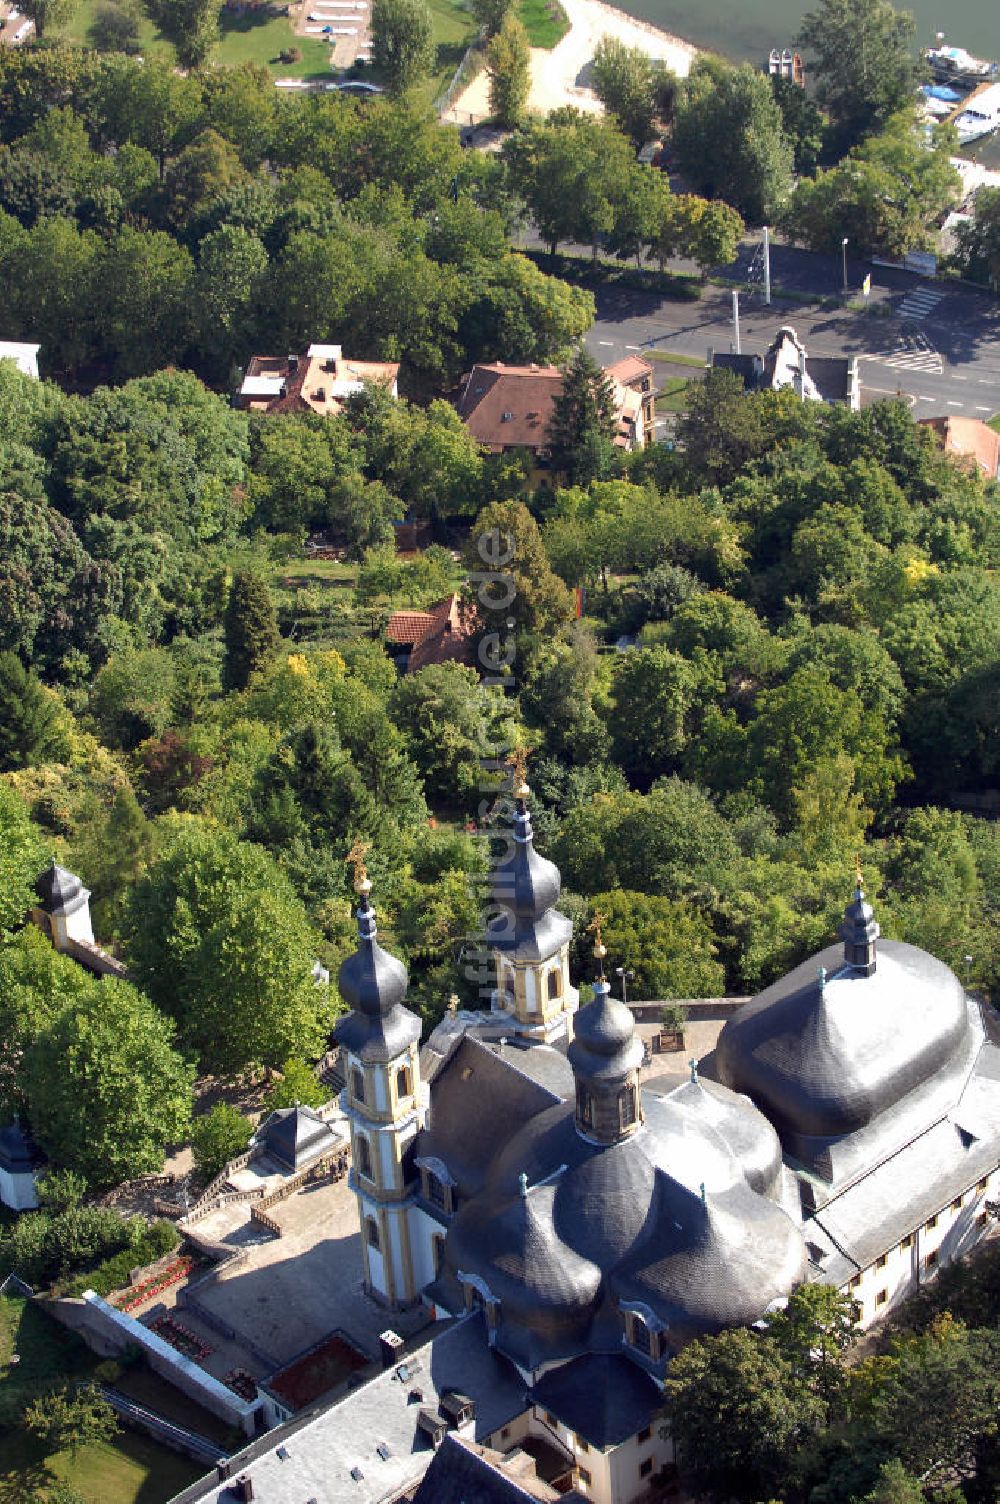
point(981, 115)
point(955, 64)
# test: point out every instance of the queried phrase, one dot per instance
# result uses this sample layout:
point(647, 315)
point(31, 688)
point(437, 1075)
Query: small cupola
point(859, 933)
point(605, 1056)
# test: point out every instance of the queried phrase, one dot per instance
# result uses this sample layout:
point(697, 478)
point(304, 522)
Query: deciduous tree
point(860, 54)
point(729, 140)
point(107, 1090)
point(402, 46)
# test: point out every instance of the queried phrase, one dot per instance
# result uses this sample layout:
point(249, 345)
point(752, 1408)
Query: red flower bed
point(175, 1271)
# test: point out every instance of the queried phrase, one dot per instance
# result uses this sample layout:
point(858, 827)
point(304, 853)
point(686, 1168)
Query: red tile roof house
point(444, 633)
point(969, 439)
point(318, 381)
point(509, 407)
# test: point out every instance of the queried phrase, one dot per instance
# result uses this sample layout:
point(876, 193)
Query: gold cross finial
point(857, 867)
point(595, 926)
point(517, 761)
point(356, 858)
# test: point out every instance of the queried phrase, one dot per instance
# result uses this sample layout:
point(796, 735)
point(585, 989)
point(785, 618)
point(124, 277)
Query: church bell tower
point(527, 936)
point(384, 1101)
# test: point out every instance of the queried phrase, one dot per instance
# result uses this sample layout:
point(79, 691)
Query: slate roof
point(595, 1224)
point(477, 1096)
point(321, 1450)
point(295, 1135)
point(60, 892)
point(825, 1059)
point(459, 1475)
point(827, 378)
point(605, 1399)
point(524, 889)
point(373, 984)
point(19, 1154)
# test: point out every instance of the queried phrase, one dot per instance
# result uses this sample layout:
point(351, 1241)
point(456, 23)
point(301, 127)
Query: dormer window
point(436, 1184)
point(645, 1333)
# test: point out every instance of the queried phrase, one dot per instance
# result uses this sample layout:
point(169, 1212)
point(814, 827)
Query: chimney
point(389, 1343)
point(243, 1488)
point(293, 362)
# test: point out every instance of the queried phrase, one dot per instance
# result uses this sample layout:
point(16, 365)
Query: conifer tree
point(582, 426)
point(508, 62)
point(29, 717)
point(251, 629)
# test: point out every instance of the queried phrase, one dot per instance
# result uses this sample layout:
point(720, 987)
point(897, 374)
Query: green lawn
point(254, 37)
point(545, 21)
point(132, 1470)
point(673, 395)
point(994, 422)
point(673, 359)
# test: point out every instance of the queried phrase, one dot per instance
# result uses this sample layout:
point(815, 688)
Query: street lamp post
point(843, 253)
point(626, 976)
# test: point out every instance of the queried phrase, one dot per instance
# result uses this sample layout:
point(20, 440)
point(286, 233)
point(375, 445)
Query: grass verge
point(545, 21)
point(674, 359)
point(582, 271)
point(994, 423)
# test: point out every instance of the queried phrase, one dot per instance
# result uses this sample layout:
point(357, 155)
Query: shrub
point(216, 1137)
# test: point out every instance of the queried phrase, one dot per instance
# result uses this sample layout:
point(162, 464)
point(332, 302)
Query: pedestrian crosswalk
point(919, 303)
point(912, 352)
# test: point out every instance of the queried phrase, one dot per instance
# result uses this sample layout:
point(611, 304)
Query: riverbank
point(561, 76)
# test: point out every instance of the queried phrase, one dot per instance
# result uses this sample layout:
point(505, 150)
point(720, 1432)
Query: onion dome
point(524, 889)
point(746, 1131)
point(60, 892)
point(373, 984)
point(547, 1291)
point(567, 1230)
point(839, 1041)
point(605, 1056)
point(605, 1046)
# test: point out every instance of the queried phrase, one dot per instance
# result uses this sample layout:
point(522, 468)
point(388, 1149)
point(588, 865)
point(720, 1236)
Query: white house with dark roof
point(785, 365)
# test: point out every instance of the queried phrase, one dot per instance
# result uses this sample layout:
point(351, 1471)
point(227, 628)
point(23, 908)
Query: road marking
point(956, 404)
point(959, 378)
point(913, 352)
point(982, 409)
point(917, 305)
point(633, 347)
point(984, 380)
point(925, 399)
point(605, 341)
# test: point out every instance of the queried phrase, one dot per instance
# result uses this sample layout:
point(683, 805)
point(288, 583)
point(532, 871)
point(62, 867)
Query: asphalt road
point(934, 342)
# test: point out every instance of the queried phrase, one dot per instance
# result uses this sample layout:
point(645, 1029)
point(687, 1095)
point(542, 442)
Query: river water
point(746, 30)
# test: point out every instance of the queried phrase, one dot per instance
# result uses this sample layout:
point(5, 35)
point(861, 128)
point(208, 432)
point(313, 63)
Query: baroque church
point(846, 1129)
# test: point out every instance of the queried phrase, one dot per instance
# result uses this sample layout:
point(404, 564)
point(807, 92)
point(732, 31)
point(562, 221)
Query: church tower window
point(403, 1086)
point(371, 1233)
point(363, 1157)
point(358, 1085)
point(555, 985)
point(626, 1106)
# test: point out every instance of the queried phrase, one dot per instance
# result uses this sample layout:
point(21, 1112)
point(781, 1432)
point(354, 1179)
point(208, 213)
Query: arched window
point(438, 1247)
point(555, 985)
point(584, 1105)
point(363, 1157)
point(403, 1087)
point(358, 1085)
point(371, 1233)
point(626, 1106)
